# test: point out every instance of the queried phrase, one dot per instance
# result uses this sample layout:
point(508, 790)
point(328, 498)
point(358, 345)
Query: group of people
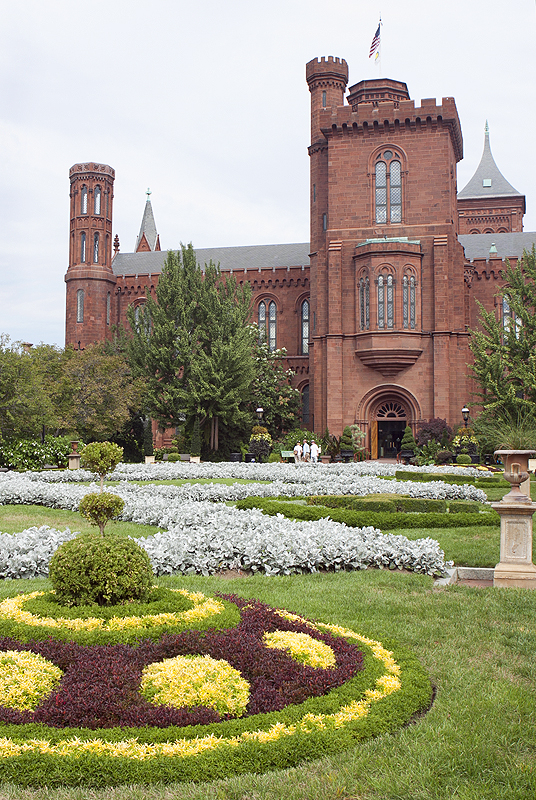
point(306, 452)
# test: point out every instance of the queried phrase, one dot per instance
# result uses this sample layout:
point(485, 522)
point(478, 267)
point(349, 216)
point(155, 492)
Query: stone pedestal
point(149, 459)
point(515, 509)
point(74, 460)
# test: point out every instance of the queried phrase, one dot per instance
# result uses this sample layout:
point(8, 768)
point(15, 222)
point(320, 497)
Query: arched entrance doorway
point(382, 414)
point(389, 420)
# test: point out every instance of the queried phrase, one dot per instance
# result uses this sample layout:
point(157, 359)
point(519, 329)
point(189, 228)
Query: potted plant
point(408, 445)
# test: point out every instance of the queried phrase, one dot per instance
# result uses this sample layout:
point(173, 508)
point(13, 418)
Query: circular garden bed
point(187, 688)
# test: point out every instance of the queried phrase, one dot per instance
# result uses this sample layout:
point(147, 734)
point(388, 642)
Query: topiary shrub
point(172, 457)
point(101, 457)
point(100, 507)
point(463, 459)
point(92, 570)
point(408, 442)
point(444, 457)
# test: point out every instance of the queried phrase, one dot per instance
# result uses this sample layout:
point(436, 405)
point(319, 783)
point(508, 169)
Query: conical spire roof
point(148, 239)
point(488, 181)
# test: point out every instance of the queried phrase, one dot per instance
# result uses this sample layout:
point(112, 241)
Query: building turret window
point(386, 302)
point(388, 187)
point(82, 248)
point(97, 200)
point(364, 304)
point(80, 305)
point(108, 307)
point(83, 200)
point(408, 301)
point(305, 328)
point(96, 249)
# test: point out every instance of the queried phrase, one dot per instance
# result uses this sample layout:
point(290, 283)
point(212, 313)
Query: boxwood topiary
point(100, 570)
point(100, 508)
point(463, 459)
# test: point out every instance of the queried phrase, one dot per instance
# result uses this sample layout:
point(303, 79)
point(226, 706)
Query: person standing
point(306, 450)
point(297, 453)
point(315, 450)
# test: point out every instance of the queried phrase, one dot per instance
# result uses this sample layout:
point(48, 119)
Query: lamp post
point(259, 411)
point(465, 415)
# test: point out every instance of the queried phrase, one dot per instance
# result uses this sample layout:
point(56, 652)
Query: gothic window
point(364, 304)
point(408, 301)
point(96, 248)
point(386, 301)
point(388, 187)
point(80, 305)
point(83, 200)
point(267, 318)
point(108, 307)
point(510, 319)
point(305, 404)
point(305, 328)
point(82, 248)
point(97, 200)
point(324, 222)
point(324, 99)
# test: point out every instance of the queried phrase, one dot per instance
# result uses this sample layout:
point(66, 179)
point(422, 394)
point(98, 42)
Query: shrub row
point(393, 504)
point(384, 520)
point(426, 477)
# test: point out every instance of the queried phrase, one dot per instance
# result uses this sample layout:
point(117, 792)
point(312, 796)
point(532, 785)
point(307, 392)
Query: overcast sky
point(206, 103)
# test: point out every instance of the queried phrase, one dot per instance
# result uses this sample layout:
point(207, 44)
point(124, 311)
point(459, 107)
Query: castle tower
point(89, 278)
point(489, 204)
point(389, 344)
point(148, 239)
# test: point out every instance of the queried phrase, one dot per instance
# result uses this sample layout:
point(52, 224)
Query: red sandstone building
point(374, 311)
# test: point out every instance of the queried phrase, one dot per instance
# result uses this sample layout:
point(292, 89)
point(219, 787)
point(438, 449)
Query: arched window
point(96, 248)
point(83, 200)
point(388, 187)
point(267, 318)
point(510, 319)
point(97, 200)
point(364, 304)
point(408, 301)
point(305, 328)
point(108, 307)
point(386, 301)
point(82, 248)
point(80, 305)
point(305, 404)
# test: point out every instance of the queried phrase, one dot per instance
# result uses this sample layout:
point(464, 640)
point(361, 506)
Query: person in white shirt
point(315, 450)
point(297, 452)
point(306, 450)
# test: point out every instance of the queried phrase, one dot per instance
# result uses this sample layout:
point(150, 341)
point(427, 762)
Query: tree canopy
point(504, 349)
point(192, 343)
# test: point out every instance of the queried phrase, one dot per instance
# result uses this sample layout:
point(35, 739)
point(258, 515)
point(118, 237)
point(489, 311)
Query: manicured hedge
point(393, 504)
point(426, 477)
point(462, 506)
point(383, 520)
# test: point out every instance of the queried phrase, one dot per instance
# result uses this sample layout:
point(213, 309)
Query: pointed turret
point(148, 239)
point(489, 203)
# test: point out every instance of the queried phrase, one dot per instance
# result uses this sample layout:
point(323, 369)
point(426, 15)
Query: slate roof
point(487, 170)
point(148, 227)
point(509, 245)
point(251, 257)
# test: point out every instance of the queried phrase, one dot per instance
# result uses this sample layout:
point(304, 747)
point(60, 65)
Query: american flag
point(375, 42)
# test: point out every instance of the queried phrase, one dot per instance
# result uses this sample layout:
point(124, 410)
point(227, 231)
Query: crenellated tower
point(90, 279)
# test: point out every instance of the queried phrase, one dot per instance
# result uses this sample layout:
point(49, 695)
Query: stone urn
point(515, 510)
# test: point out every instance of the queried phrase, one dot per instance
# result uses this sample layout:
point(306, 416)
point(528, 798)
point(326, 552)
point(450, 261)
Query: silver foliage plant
point(203, 535)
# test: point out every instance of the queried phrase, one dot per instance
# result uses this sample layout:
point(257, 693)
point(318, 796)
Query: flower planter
point(236, 457)
point(347, 455)
point(149, 459)
point(405, 456)
point(325, 459)
point(195, 459)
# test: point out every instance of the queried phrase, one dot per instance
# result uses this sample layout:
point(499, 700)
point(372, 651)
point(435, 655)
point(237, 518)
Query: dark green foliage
point(100, 507)
point(346, 442)
point(148, 449)
point(271, 389)
point(408, 442)
point(436, 429)
point(425, 477)
point(192, 344)
point(195, 446)
point(464, 459)
point(104, 571)
point(101, 457)
point(172, 457)
point(384, 520)
point(444, 457)
point(461, 506)
point(34, 454)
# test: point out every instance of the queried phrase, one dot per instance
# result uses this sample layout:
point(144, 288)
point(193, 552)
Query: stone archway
point(385, 412)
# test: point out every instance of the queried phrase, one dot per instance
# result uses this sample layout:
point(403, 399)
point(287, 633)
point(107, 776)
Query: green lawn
point(14, 519)
point(478, 741)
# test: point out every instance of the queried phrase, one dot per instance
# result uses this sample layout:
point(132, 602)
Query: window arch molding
point(410, 298)
point(363, 297)
point(388, 184)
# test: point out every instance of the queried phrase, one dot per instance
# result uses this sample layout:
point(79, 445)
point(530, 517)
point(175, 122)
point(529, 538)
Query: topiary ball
point(92, 570)
point(463, 459)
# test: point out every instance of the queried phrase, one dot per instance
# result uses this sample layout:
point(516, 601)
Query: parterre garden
point(266, 656)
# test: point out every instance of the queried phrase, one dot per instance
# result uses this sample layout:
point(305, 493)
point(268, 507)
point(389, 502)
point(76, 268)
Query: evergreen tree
point(193, 345)
point(408, 442)
point(272, 391)
point(504, 350)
